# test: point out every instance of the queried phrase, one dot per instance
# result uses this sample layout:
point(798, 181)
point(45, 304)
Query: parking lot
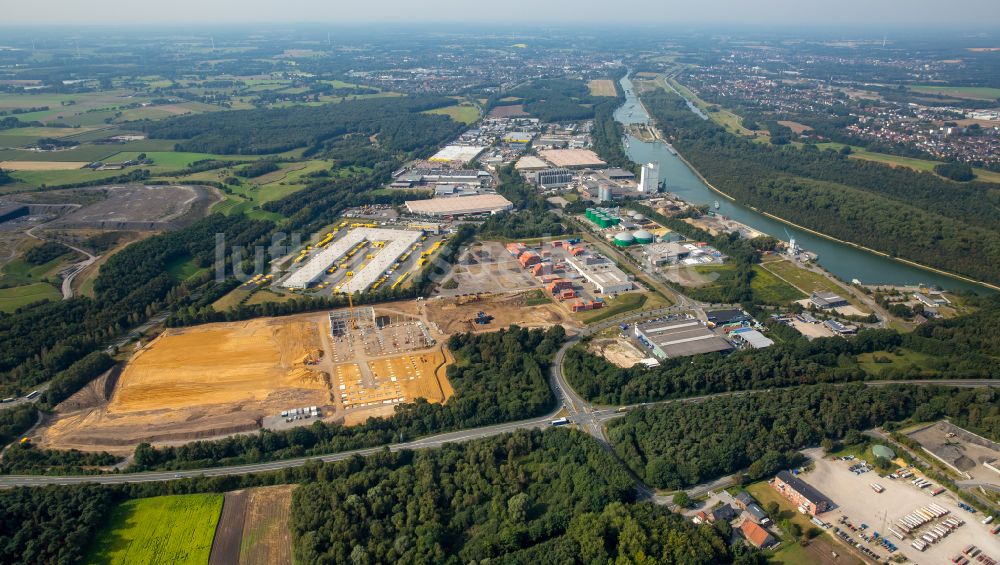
point(859, 504)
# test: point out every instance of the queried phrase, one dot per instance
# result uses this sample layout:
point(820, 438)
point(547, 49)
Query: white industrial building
point(602, 272)
point(396, 243)
point(649, 182)
point(457, 153)
point(462, 206)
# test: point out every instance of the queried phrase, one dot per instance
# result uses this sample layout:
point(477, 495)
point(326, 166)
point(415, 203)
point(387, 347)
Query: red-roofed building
point(756, 535)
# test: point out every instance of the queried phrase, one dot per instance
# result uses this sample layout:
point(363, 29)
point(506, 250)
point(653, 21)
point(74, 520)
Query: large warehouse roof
point(458, 153)
point(476, 204)
point(572, 158)
point(314, 268)
point(680, 338)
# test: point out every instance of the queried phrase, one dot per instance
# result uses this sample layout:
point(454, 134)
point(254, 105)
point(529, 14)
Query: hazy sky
point(977, 13)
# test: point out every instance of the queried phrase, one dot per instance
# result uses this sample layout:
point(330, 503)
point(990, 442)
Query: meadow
point(163, 529)
point(464, 113)
point(13, 298)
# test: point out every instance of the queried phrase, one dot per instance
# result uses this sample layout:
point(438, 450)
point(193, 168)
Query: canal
point(844, 261)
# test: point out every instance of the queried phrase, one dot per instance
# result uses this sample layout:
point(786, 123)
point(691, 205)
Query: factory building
point(826, 299)
point(679, 338)
point(466, 205)
point(669, 253)
point(602, 272)
point(397, 241)
point(553, 178)
point(649, 181)
point(747, 337)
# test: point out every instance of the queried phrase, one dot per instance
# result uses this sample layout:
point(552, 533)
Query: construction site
point(224, 378)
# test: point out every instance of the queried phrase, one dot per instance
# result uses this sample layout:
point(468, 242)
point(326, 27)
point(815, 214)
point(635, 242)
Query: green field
point(163, 529)
point(19, 271)
point(769, 289)
point(466, 114)
point(972, 92)
point(15, 297)
point(807, 281)
point(925, 165)
point(615, 306)
point(766, 288)
point(900, 359)
point(182, 269)
point(176, 159)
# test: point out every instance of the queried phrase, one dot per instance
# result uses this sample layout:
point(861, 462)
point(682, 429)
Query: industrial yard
point(857, 504)
point(361, 257)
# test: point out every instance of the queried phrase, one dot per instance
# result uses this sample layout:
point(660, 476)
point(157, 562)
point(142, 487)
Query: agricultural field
point(465, 112)
point(164, 529)
point(602, 87)
point(970, 92)
point(253, 528)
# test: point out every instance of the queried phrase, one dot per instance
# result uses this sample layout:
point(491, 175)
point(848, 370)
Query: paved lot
point(856, 500)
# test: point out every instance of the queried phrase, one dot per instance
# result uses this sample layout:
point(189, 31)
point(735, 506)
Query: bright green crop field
point(164, 529)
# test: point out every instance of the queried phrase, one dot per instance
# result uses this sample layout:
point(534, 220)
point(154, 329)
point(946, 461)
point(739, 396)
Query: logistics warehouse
point(679, 338)
point(396, 243)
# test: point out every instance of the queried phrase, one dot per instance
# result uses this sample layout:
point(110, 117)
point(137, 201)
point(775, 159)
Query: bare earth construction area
point(226, 378)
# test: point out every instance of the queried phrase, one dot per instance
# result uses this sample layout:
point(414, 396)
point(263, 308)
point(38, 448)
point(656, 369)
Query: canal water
point(844, 261)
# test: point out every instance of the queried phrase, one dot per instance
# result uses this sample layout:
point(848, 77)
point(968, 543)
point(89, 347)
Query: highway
point(588, 417)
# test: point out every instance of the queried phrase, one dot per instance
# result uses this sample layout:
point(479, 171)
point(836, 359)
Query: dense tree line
point(522, 225)
point(51, 524)
point(530, 496)
point(396, 123)
point(67, 382)
point(28, 459)
point(497, 377)
point(15, 421)
point(955, 171)
point(42, 254)
point(964, 347)
point(258, 168)
point(670, 446)
point(505, 499)
point(5, 178)
point(918, 216)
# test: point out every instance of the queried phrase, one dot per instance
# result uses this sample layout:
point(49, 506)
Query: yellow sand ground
point(220, 363)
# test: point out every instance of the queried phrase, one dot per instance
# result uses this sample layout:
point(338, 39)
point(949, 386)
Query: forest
point(51, 524)
point(497, 377)
point(551, 496)
point(669, 446)
point(555, 100)
point(916, 216)
point(527, 497)
point(396, 123)
point(963, 347)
